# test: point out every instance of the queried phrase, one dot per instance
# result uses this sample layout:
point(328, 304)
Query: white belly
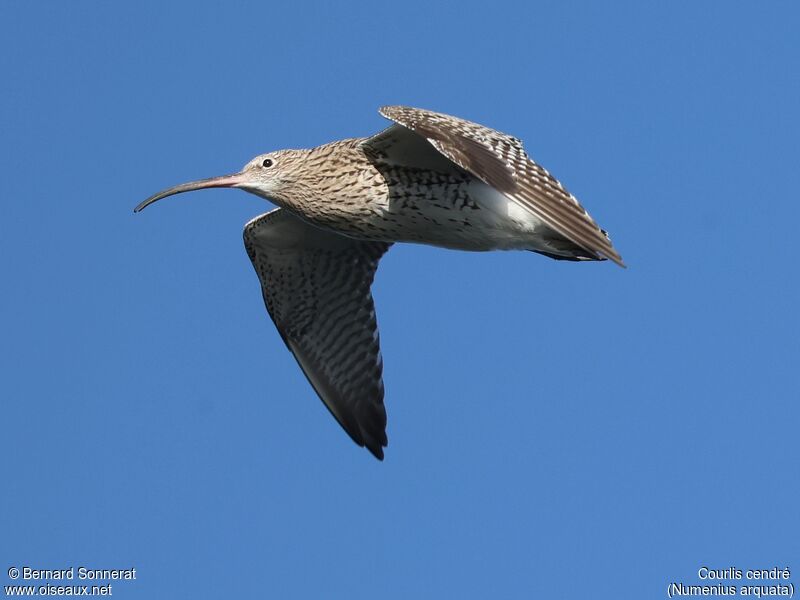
point(473, 217)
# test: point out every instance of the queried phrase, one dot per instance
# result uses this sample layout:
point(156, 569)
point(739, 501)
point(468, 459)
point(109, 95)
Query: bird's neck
point(327, 179)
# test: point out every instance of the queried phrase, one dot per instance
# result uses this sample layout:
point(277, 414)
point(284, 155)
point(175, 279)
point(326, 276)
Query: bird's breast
point(402, 204)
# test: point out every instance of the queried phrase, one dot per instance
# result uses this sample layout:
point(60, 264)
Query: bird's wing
point(316, 286)
point(501, 162)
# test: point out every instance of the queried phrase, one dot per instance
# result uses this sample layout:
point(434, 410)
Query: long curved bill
point(201, 184)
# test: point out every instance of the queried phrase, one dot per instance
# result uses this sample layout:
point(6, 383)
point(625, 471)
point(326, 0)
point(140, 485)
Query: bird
point(428, 178)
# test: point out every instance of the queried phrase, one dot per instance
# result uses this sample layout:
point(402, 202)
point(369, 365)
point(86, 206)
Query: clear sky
point(556, 430)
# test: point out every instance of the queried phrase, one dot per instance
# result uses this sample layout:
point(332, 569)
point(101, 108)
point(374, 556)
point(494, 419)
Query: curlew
point(429, 178)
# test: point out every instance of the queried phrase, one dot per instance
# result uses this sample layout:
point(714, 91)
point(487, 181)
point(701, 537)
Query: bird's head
point(269, 175)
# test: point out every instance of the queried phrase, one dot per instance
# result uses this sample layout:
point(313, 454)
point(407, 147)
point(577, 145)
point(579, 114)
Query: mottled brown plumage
point(429, 178)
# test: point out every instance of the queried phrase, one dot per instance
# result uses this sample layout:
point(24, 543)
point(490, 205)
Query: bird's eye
point(267, 163)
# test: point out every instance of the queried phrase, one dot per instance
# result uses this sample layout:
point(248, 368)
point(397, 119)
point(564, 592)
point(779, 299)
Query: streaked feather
point(500, 161)
point(316, 286)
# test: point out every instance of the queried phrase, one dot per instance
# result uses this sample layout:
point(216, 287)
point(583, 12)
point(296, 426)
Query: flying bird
point(429, 178)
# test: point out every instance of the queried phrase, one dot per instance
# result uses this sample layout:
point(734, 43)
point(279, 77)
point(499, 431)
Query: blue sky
point(556, 430)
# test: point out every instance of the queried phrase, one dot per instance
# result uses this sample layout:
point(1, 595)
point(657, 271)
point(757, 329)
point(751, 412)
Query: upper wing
point(316, 286)
point(500, 161)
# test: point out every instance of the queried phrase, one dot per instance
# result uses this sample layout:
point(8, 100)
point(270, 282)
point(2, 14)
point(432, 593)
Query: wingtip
point(610, 254)
point(618, 261)
point(375, 446)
